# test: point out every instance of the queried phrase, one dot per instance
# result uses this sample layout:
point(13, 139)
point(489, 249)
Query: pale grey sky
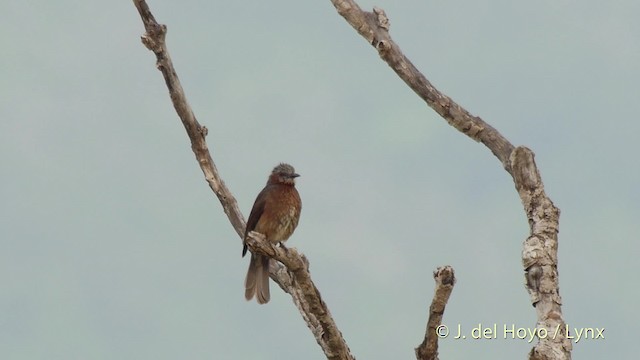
point(113, 247)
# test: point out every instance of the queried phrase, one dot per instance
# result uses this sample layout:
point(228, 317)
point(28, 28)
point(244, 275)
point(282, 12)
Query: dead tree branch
point(154, 40)
point(445, 280)
point(295, 278)
point(540, 253)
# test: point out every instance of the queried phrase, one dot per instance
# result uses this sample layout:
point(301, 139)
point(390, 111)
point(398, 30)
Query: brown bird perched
point(275, 214)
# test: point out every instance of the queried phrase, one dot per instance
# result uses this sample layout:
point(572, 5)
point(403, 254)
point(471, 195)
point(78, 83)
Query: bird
point(275, 214)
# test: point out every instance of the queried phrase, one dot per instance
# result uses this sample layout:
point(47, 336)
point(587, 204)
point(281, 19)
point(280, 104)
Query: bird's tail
point(257, 281)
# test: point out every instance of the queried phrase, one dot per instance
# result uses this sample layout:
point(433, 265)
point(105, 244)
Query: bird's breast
point(281, 214)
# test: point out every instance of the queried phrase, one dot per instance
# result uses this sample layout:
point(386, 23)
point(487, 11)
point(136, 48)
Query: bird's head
point(283, 174)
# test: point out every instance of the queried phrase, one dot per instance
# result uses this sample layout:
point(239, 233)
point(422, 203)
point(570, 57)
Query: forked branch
point(540, 250)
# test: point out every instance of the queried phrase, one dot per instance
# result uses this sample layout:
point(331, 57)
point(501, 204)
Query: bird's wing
point(254, 216)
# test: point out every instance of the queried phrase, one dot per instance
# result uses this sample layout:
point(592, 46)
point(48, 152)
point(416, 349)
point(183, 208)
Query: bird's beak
point(294, 175)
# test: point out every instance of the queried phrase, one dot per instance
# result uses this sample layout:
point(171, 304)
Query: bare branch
point(154, 40)
point(374, 27)
point(295, 279)
point(540, 254)
point(540, 257)
point(445, 280)
point(304, 294)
